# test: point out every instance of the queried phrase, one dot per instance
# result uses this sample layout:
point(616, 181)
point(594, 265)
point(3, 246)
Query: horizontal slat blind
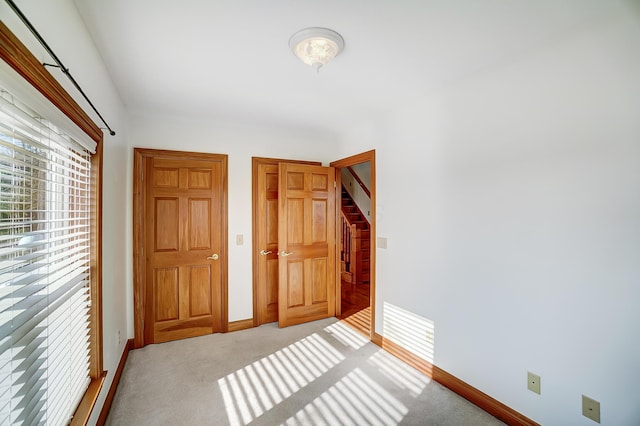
point(44, 268)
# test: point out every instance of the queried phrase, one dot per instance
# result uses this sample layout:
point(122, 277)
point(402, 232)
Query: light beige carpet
point(320, 373)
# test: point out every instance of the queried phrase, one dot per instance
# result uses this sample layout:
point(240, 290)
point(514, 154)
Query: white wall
point(240, 142)
point(60, 25)
point(511, 204)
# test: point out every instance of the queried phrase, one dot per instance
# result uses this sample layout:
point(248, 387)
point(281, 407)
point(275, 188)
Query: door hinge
point(335, 184)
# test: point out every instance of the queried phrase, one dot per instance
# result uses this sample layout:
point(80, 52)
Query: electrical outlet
point(591, 408)
point(533, 382)
point(119, 339)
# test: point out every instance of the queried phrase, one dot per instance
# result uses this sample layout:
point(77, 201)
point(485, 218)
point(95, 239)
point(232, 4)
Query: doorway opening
point(355, 206)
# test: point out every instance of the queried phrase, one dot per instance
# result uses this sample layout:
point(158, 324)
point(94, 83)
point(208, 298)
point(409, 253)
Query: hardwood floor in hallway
point(355, 306)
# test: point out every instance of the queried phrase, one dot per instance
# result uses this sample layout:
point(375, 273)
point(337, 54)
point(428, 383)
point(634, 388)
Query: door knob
point(214, 256)
point(265, 252)
point(285, 254)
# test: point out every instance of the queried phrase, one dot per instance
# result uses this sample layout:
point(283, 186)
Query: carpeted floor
point(320, 373)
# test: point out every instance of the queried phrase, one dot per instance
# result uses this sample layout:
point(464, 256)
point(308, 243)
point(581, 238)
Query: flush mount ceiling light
point(316, 46)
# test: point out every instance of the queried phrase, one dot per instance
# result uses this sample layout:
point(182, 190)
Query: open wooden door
point(306, 243)
point(265, 237)
point(267, 241)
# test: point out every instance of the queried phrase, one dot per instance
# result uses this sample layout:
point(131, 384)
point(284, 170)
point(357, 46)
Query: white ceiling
point(230, 59)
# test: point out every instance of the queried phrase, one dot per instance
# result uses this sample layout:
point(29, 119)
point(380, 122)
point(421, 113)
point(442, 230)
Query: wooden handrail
point(346, 218)
point(360, 182)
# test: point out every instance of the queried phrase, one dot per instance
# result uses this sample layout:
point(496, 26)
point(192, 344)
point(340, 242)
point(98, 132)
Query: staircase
point(354, 243)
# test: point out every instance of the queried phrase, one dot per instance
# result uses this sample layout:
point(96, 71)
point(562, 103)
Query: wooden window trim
point(18, 56)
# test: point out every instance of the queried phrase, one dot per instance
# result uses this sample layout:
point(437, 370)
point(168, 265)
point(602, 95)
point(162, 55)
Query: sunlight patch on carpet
point(347, 335)
point(256, 388)
point(355, 399)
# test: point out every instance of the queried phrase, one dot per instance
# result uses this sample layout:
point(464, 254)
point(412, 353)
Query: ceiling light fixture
point(316, 46)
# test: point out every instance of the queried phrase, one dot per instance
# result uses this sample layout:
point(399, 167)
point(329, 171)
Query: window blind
point(44, 268)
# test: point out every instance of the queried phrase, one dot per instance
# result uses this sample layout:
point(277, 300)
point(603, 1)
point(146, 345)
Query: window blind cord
point(59, 63)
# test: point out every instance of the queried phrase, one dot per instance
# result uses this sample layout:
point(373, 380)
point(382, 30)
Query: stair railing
point(348, 247)
point(360, 182)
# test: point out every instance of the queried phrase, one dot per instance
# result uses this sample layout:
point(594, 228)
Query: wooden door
point(267, 242)
point(184, 217)
point(265, 237)
point(306, 243)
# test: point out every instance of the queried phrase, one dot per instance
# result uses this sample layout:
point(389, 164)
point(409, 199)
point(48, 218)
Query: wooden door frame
point(255, 162)
point(140, 158)
point(369, 156)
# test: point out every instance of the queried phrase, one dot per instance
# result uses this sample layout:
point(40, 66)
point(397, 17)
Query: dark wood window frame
point(16, 55)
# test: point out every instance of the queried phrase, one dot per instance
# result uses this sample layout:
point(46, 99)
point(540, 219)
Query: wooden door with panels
point(180, 222)
point(306, 243)
point(267, 287)
point(265, 237)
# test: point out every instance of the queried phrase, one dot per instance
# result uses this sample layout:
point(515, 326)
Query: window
point(45, 267)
